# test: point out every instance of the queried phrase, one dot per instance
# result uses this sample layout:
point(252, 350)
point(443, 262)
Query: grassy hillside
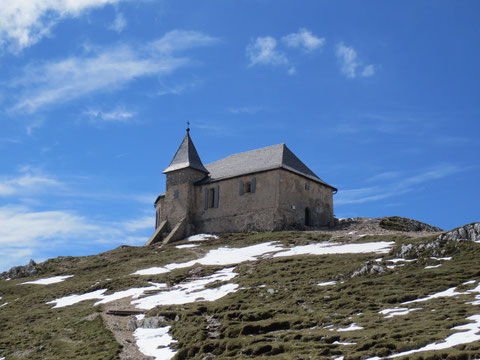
point(278, 310)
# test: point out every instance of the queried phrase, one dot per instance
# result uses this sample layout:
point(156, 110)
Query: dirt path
point(118, 326)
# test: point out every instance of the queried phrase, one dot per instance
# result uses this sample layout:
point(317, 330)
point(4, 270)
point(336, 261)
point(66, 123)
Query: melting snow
point(186, 246)
point(469, 282)
point(202, 237)
point(447, 293)
point(154, 342)
point(343, 343)
point(326, 248)
point(231, 256)
point(396, 311)
point(441, 258)
point(191, 291)
point(400, 260)
point(140, 316)
point(352, 327)
point(48, 281)
point(327, 283)
point(99, 295)
point(468, 336)
point(433, 266)
point(220, 256)
point(3, 306)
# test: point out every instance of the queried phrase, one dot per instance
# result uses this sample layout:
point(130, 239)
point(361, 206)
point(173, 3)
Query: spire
point(186, 156)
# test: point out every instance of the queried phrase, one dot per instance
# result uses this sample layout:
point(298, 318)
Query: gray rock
point(131, 324)
point(21, 271)
point(369, 268)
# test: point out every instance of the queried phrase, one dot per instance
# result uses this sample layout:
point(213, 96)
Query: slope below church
point(264, 190)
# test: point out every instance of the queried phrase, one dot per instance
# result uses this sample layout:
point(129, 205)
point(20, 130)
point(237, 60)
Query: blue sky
point(378, 98)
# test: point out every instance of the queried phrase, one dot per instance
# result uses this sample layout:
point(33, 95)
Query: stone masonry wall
point(235, 212)
point(296, 194)
point(178, 202)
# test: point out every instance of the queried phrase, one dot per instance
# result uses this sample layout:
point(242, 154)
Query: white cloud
point(399, 187)
point(146, 222)
point(105, 70)
point(303, 39)
point(262, 51)
point(348, 60)
point(26, 233)
point(119, 23)
point(178, 40)
point(245, 110)
point(27, 184)
point(349, 63)
point(24, 22)
point(119, 116)
point(368, 70)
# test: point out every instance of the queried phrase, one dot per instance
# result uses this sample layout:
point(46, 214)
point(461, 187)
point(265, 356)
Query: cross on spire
point(188, 126)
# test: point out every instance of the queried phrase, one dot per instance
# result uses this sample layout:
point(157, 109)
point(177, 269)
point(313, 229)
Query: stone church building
point(264, 189)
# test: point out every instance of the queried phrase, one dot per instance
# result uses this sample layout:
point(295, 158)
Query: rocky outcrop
point(369, 268)
point(438, 247)
point(470, 232)
point(397, 223)
point(20, 271)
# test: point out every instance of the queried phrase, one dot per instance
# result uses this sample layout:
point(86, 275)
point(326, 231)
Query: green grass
point(279, 312)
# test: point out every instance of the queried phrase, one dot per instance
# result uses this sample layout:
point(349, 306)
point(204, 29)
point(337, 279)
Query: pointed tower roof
point(186, 157)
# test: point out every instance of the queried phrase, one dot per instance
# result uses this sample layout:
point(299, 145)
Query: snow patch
point(3, 306)
point(433, 266)
point(192, 291)
point(48, 281)
point(327, 248)
point(447, 293)
point(140, 316)
point(327, 283)
point(343, 343)
point(155, 342)
point(202, 237)
point(351, 327)
point(441, 258)
point(186, 246)
point(465, 337)
point(469, 282)
point(99, 295)
point(220, 256)
point(400, 260)
point(396, 311)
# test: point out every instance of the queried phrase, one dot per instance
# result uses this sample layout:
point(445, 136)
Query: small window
point(248, 186)
point(307, 186)
point(175, 194)
point(211, 198)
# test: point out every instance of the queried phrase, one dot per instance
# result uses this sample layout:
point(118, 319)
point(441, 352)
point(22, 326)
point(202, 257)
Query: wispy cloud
point(262, 51)
point(246, 110)
point(349, 63)
point(27, 183)
point(400, 186)
point(23, 23)
point(178, 40)
point(304, 39)
point(118, 116)
point(119, 23)
point(26, 233)
point(105, 70)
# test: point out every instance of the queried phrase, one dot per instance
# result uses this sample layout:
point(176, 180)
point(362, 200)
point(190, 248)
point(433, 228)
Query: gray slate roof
point(267, 158)
point(186, 156)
